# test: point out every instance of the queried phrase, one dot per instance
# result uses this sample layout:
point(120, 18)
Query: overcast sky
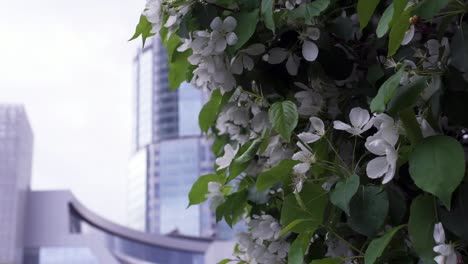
point(70, 64)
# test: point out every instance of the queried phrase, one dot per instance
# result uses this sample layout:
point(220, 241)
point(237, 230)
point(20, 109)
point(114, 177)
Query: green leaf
point(277, 174)
point(374, 73)
point(243, 158)
point(247, 23)
point(397, 204)
point(400, 25)
point(384, 22)
point(267, 14)
point(309, 11)
point(378, 245)
point(343, 28)
point(143, 29)
point(344, 190)
point(437, 166)
point(210, 110)
point(200, 188)
point(299, 248)
point(291, 226)
point(386, 91)
point(314, 199)
point(455, 220)
point(406, 96)
point(459, 49)
point(178, 69)
point(284, 117)
point(171, 44)
point(250, 153)
point(427, 9)
point(411, 125)
point(368, 210)
point(234, 207)
point(365, 9)
point(327, 261)
point(423, 217)
point(224, 261)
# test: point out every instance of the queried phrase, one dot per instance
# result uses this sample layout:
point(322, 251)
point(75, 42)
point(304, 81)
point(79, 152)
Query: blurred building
point(53, 227)
point(169, 151)
point(60, 230)
point(16, 145)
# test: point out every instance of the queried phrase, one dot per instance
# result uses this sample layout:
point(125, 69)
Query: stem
point(354, 151)
point(339, 157)
point(221, 7)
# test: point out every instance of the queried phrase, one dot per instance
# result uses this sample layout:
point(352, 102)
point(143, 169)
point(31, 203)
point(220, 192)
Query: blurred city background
point(97, 156)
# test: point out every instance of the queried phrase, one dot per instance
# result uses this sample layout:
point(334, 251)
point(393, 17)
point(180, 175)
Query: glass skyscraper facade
point(166, 129)
point(16, 143)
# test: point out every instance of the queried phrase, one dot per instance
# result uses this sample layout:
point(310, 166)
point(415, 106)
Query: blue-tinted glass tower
point(170, 152)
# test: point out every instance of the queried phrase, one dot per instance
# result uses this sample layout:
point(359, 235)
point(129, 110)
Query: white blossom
point(446, 252)
point(243, 60)
point(426, 128)
point(310, 101)
point(276, 152)
point(409, 34)
point(176, 14)
point(153, 13)
point(383, 144)
point(226, 159)
point(262, 244)
point(435, 57)
point(309, 48)
point(298, 182)
point(306, 157)
point(222, 34)
point(214, 195)
point(278, 55)
point(291, 4)
point(317, 130)
point(214, 69)
point(360, 122)
point(265, 227)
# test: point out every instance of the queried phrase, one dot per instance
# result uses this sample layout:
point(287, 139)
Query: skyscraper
point(16, 143)
point(169, 151)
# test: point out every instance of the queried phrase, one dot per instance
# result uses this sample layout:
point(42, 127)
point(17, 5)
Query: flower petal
point(277, 55)
point(216, 24)
point(309, 50)
point(301, 168)
point(247, 62)
point(408, 36)
point(171, 20)
point(231, 38)
point(338, 125)
point(317, 125)
point(229, 24)
point(236, 65)
point(440, 259)
point(308, 137)
point(444, 249)
point(377, 167)
point(255, 49)
point(439, 233)
point(377, 146)
point(359, 117)
point(292, 65)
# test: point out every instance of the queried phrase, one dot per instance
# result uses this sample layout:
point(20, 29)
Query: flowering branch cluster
point(340, 127)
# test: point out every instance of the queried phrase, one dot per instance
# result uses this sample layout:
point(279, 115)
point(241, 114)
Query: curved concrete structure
point(61, 230)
